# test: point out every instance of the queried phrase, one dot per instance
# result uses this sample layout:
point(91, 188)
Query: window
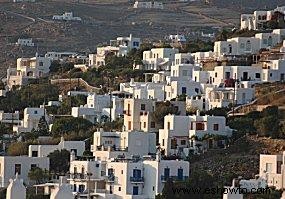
point(153, 188)
point(216, 74)
point(119, 188)
point(184, 73)
point(18, 169)
point(33, 166)
point(122, 171)
point(257, 75)
point(97, 165)
point(270, 75)
point(142, 107)
point(248, 46)
point(144, 125)
point(35, 112)
point(41, 63)
point(152, 125)
point(34, 153)
point(279, 163)
point(184, 90)
point(216, 127)
point(242, 45)
point(168, 125)
point(173, 143)
point(200, 126)
point(183, 142)
point(268, 167)
point(129, 125)
point(162, 142)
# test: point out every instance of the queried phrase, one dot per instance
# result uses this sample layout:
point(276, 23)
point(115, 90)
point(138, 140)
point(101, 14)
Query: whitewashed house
point(27, 68)
point(178, 38)
point(129, 178)
point(272, 167)
point(67, 16)
point(119, 47)
point(31, 119)
point(59, 55)
point(86, 175)
point(148, 5)
point(138, 114)
point(21, 165)
point(107, 145)
point(10, 118)
point(176, 136)
point(159, 58)
point(78, 147)
point(25, 42)
point(257, 20)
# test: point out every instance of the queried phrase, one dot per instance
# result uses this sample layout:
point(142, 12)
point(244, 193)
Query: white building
point(248, 45)
point(78, 147)
point(10, 118)
point(129, 178)
point(86, 176)
point(21, 165)
point(99, 106)
point(27, 68)
point(107, 145)
point(16, 189)
point(178, 38)
point(138, 113)
point(272, 167)
point(159, 58)
point(148, 4)
point(144, 90)
point(25, 42)
point(31, 119)
point(257, 20)
point(178, 131)
point(119, 47)
point(60, 55)
point(67, 16)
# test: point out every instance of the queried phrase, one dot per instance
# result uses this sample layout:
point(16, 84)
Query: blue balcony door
point(166, 173)
point(137, 173)
point(135, 190)
point(180, 174)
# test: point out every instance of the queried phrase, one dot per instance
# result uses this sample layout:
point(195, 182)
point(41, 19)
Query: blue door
point(180, 174)
point(135, 190)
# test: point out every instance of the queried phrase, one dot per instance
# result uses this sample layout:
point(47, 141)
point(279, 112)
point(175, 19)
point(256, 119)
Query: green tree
point(59, 161)
point(17, 149)
point(161, 110)
point(66, 125)
point(38, 175)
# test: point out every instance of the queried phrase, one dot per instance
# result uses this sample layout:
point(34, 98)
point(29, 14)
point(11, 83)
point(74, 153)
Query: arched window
point(248, 46)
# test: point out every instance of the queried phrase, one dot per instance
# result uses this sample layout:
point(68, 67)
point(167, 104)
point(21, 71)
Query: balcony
point(136, 179)
point(111, 178)
point(173, 178)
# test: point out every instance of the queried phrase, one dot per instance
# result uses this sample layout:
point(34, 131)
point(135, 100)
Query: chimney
point(198, 112)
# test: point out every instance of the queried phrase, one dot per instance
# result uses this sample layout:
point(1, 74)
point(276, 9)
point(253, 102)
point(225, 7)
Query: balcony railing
point(110, 178)
point(173, 178)
point(136, 179)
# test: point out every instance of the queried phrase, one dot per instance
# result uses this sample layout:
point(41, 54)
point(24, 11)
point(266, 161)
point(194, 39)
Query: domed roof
point(16, 189)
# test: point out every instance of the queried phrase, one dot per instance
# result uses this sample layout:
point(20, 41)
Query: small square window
point(142, 107)
point(97, 165)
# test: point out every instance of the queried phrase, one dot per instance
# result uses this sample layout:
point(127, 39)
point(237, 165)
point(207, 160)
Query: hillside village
point(147, 118)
